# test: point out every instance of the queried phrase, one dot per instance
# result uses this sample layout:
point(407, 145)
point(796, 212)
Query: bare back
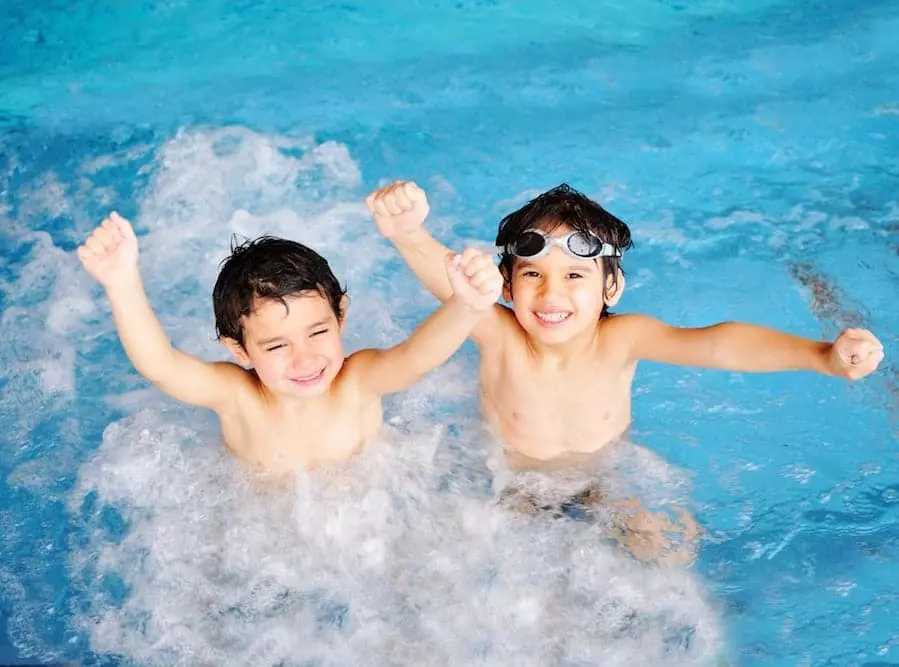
point(280, 437)
point(554, 411)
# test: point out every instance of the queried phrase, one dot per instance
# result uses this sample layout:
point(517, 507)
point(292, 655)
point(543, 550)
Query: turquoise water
point(752, 146)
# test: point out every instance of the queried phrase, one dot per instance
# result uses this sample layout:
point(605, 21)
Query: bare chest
point(544, 414)
point(273, 438)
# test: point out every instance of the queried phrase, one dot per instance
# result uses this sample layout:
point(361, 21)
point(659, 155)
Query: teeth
point(553, 317)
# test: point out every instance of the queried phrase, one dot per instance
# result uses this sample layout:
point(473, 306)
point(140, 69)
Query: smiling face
point(294, 345)
point(557, 298)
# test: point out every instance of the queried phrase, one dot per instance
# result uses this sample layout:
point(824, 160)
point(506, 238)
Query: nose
point(550, 286)
point(302, 359)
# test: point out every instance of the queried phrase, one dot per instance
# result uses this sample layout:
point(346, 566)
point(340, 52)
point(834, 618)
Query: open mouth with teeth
point(310, 379)
point(552, 318)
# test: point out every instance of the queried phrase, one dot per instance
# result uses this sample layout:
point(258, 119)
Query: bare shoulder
point(497, 328)
point(241, 382)
point(633, 324)
point(637, 334)
point(358, 362)
point(355, 367)
point(230, 372)
point(629, 330)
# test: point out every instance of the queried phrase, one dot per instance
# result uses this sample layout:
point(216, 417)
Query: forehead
point(294, 311)
point(553, 227)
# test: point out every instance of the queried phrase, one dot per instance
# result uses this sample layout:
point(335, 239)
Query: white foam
point(47, 197)
point(37, 354)
point(371, 561)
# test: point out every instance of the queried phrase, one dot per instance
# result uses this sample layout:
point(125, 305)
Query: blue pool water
point(752, 146)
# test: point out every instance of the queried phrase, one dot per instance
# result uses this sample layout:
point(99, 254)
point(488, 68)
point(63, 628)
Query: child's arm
point(110, 256)
point(476, 285)
point(400, 211)
point(749, 348)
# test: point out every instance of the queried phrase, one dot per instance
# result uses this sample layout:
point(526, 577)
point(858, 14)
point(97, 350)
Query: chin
point(550, 337)
point(557, 336)
point(316, 389)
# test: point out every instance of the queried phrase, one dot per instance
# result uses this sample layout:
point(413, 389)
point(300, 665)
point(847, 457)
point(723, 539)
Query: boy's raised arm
point(110, 255)
point(476, 284)
point(400, 211)
point(750, 348)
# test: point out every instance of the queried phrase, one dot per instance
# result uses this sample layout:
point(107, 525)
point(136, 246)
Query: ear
point(614, 289)
point(341, 318)
point(236, 349)
point(507, 284)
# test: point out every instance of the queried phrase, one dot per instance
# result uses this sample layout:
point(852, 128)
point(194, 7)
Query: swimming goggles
point(534, 243)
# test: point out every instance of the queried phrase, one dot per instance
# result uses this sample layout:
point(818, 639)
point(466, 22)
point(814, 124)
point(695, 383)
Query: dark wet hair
point(268, 268)
point(563, 205)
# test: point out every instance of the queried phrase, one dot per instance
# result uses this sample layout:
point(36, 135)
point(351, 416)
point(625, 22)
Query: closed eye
point(319, 332)
point(272, 348)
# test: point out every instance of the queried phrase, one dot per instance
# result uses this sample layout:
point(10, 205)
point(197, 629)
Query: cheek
point(521, 291)
point(270, 366)
point(522, 302)
point(510, 289)
point(332, 348)
point(586, 297)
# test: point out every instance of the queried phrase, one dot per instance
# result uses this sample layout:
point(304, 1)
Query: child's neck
point(564, 355)
point(298, 405)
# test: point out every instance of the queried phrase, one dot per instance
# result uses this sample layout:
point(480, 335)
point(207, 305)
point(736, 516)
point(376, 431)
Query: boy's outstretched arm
point(749, 348)
point(476, 284)
point(110, 255)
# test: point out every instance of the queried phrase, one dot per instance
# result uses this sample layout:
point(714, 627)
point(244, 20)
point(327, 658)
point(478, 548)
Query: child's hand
point(855, 353)
point(475, 279)
point(399, 209)
point(110, 253)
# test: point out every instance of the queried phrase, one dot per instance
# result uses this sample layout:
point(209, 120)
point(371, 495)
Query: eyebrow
point(525, 264)
point(269, 341)
point(276, 339)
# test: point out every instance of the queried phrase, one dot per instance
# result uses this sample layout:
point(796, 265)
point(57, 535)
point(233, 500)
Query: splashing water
point(392, 558)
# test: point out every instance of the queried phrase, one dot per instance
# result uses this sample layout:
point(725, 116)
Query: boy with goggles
point(557, 354)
